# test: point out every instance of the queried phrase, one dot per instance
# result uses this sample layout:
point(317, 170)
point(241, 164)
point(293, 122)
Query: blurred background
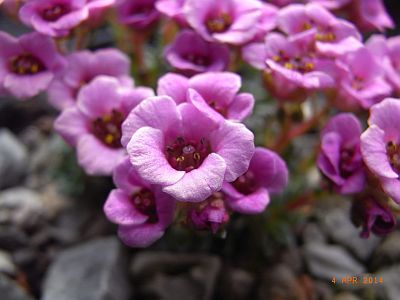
point(56, 244)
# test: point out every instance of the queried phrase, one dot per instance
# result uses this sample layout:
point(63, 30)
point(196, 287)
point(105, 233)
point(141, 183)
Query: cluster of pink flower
point(181, 153)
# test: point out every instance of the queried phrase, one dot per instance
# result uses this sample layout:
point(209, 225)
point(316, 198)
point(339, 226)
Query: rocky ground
point(55, 242)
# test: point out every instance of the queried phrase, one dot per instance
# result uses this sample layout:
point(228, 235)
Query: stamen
point(108, 129)
point(26, 64)
point(220, 23)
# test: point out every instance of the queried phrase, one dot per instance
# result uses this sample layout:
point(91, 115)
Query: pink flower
point(250, 193)
point(387, 52)
point(380, 145)
point(332, 36)
point(55, 18)
point(93, 126)
point(225, 21)
point(138, 14)
point(172, 9)
point(372, 216)
point(182, 150)
point(370, 15)
point(360, 81)
point(210, 214)
point(214, 93)
point(27, 64)
point(191, 54)
point(82, 68)
point(141, 210)
point(340, 156)
point(291, 67)
point(267, 21)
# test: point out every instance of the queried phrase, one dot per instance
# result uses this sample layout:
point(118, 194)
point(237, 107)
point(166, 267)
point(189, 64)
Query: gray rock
point(11, 291)
point(170, 276)
point(13, 159)
point(388, 252)
point(21, 206)
point(313, 234)
point(328, 261)
point(391, 282)
point(237, 284)
point(90, 271)
point(337, 225)
point(346, 296)
point(6, 264)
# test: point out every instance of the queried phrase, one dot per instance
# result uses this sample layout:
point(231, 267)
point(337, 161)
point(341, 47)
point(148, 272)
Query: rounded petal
point(392, 187)
point(269, 169)
point(173, 85)
point(126, 178)
point(96, 158)
point(198, 184)
point(99, 97)
point(373, 149)
point(140, 235)
point(386, 115)
point(71, 125)
point(27, 86)
point(146, 152)
point(241, 107)
point(119, 209)
point(254, 203)
point(220, 87)
point(159, 112)
point(235, 143)
point(255, 55)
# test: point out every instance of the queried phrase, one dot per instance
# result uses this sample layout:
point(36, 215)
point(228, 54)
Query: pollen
point(220, 23)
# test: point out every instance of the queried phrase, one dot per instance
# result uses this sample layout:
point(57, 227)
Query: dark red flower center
point(297, 63)
point(393, 153)
point(54, 12)
point(145, 202)
point(142, 9)
point(187, 155)
point(26, 64)
point(347, 164)
point(245, 184)
point(197, 59)
point(108, 128)
point(219, 23)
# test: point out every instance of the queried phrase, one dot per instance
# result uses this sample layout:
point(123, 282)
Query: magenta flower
point(225, 21)
point(191, 54)
point(373, 216)
point(141, 210)
point(250, 193)
point(370, 15)
point(97, 10)
point(267, 21)
point(81, 68)
point(360, 85)
point(332, 36)
point(139, 14)
point(93, 126)
point(214, 93)
point(55, 18)
point(210, 214)
point(182, 150)
point(387, 52)
point(380, 145)
point(27, 64)
point(172, 9)
point(331, 4)
point(340, 156)
point(291, 68)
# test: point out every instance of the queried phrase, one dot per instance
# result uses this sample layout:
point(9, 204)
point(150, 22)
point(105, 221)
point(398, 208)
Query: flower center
point(26, 64)
point(53, 13)
point(219, 108)
point(219, 23)
point(108, 128)
point(300, 64)
point(145, 203)
point(142, 9)
point(245, 184)
point(347, 165)
point(187, 155)
point(393, 153)
point(200, 60)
